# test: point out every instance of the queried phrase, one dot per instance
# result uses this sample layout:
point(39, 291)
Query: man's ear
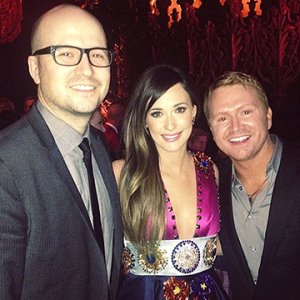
point(269, 117)
point(34, 68)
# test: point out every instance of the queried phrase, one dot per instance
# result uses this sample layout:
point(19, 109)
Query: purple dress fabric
point(207, 202)
point(155, 287)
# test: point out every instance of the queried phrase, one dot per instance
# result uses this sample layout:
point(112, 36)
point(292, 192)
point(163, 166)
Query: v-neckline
point(170, 212)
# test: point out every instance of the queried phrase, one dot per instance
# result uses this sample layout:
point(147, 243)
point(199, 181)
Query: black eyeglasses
point(71, 56)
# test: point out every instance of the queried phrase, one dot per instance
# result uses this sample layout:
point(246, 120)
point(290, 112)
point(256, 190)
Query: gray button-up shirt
point(251, 220)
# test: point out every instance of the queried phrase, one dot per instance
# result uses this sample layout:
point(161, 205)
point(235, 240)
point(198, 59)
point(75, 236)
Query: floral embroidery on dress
point(186, 257)
point(152, 258)
point(202, 287)
point(176, 289)
point(128, 260)
point(210, 252)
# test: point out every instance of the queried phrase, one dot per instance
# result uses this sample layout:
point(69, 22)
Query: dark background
point(270, 54)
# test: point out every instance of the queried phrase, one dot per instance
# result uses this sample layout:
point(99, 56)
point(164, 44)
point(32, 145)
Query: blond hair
point(232, 78)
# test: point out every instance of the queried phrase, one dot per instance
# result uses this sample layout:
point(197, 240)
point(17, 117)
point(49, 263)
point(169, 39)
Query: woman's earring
point(194, 119)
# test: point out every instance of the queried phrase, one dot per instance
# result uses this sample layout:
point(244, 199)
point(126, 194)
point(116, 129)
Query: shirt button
point(241, 188)
point(253, 249)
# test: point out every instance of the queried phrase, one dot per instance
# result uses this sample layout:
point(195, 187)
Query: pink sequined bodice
point(207, 222)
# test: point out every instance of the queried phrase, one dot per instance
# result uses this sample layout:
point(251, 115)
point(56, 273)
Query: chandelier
point(91, 4)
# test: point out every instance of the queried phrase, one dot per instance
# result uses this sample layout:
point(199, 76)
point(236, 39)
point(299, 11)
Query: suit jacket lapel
point(104, 164)
point(281, 207)
point(47, 141)
point(105, 167)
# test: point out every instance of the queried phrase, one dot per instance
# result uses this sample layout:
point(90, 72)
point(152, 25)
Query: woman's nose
point(170, 123)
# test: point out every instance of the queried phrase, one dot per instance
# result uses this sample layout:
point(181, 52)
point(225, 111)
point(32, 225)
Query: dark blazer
point(47, 246)
point(279, 273)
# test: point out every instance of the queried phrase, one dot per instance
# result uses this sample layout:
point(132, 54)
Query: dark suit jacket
point(47, 246)
point(279, 273)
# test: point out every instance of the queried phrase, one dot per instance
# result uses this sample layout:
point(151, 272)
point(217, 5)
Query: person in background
point(198, 140)
point(97, 120)
point(168, 195)
point(113, 128)
point(8, 114)
point(6, 104)
point(259, 192)
point(49, 240)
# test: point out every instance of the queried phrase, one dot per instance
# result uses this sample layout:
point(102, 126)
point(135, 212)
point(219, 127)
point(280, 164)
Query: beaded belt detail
point(171, 257)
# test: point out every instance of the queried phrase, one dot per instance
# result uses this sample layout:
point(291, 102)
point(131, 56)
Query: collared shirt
point(67, 140)
point(251, 220)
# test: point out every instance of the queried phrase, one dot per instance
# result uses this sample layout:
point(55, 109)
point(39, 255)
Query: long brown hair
point(141, 188)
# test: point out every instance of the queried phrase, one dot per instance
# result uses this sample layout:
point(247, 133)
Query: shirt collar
point(66, 137)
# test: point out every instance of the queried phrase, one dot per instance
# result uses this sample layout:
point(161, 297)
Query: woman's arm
point(219, 247)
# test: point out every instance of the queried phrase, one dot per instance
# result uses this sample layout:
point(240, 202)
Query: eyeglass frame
point(51, 50)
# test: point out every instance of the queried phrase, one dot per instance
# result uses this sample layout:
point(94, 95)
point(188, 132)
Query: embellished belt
point(171, 257)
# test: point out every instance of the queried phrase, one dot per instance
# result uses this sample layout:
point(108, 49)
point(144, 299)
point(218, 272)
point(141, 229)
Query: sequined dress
point(179, 269)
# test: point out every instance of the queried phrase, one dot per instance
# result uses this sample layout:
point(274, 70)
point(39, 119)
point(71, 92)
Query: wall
point(205, 42)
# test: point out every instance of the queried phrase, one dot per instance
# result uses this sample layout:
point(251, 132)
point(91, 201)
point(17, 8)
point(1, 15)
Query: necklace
point(252, 196)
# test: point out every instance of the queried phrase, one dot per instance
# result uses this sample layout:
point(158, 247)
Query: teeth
point(239, 139)
point(172, 136)
point(83, 87)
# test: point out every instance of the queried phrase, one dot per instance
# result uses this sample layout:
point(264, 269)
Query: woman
point(168, 195)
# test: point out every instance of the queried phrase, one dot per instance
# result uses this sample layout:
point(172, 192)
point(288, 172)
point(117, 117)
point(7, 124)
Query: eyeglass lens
point(69, 56)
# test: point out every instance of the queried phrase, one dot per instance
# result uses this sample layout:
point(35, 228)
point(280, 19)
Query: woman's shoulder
point(202, 159)
point(205, 164)
point(118, 166)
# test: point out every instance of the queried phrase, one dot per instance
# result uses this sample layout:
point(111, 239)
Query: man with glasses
point(60, 224)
